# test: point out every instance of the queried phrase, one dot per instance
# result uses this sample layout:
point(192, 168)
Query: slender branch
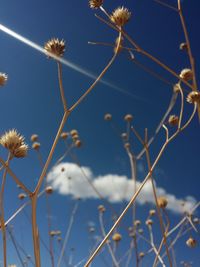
point(61, 86)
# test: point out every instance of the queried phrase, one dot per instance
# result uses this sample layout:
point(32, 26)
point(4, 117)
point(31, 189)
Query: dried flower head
point(107, 117)
point(95, 3)
point(128, 117)
point(186, 74)
point(162, 202)
point(3, 78)
point(124, 136)
point(64, 135)
point(52, 233)
point(73, 132)
point(49, 190)
point(183, 46)
point(191, 242)
point(101, 208)
point(127, 145)
point(59, 238)
point(120, 16)
point(14, 142)
point(152, 212)
point(62, 169)
point(75, 137)
point(177, 88)
point(21, 196)
point(196, 220)
point(173, 120)
point(149, 222)
point(193, 97)
point(34, 137)
point(116, 237)
point(55, 47)
point(78, 143)
point(141, 255)
point(137, 223)
point(36, 145)
point(140, 231)
point(21, 152)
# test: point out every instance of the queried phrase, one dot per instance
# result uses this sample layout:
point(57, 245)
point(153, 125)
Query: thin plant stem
point(61, 86)
point(192, 62)
point(108, 245)
point(166, 5)
point(100, 76)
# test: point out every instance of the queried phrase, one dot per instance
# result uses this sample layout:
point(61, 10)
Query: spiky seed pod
point(55, 47)
point(149, 222)
point(21, 196)
point(3, 78)
point(137, 223)
point(101, 208)
point(14, 142)
point(152, 212)
point(183, 46)
point(116, 237)
point(64, 135)
point(186, 75)
point(191, 242)
point(173, 120)
point(73, 132)
point(36, 145)
point(141, 255)
point(162, 202)
point(193, 97)
point(78, 143)
point(107, 117)
point(128, 117)
point(11, 140)
point(21, 152)
point(95, 3)
point(49, 190)
point(120, 16)
point(34, 137)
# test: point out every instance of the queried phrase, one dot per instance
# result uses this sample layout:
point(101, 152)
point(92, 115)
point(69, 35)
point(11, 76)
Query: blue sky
point(30, 102)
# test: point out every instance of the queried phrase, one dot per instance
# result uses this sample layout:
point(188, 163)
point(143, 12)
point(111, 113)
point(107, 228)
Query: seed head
point(128, 117)
point(127, 145)
point(186, 74)
point(137, 223)
point(36, 145)
point(101, 208)
point(95, 3)
point(78, 143)
point(140, 231)
point(49, 190)
point(107, 117)
point(116, 237)
point(183, 46)
point(75, 137)
point(120, 16)
point(21, 152)
point(141, 254)
point(55, 46)
point(64, 135)
point(191, 242)
point(162, 202)
point(34, 137)
point(173, 120)
point(149, 222)
point(73, 132)
point(21, 196)
point(3, 78)
point(124, 136)
point(52, 233)
point(152, 212)
point(14, 142)
point(193, 97)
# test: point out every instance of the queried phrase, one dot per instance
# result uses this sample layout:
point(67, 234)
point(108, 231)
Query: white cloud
point(70, 179)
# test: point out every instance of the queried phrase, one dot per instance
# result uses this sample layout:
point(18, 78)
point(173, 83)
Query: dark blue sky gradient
point(30, 102)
